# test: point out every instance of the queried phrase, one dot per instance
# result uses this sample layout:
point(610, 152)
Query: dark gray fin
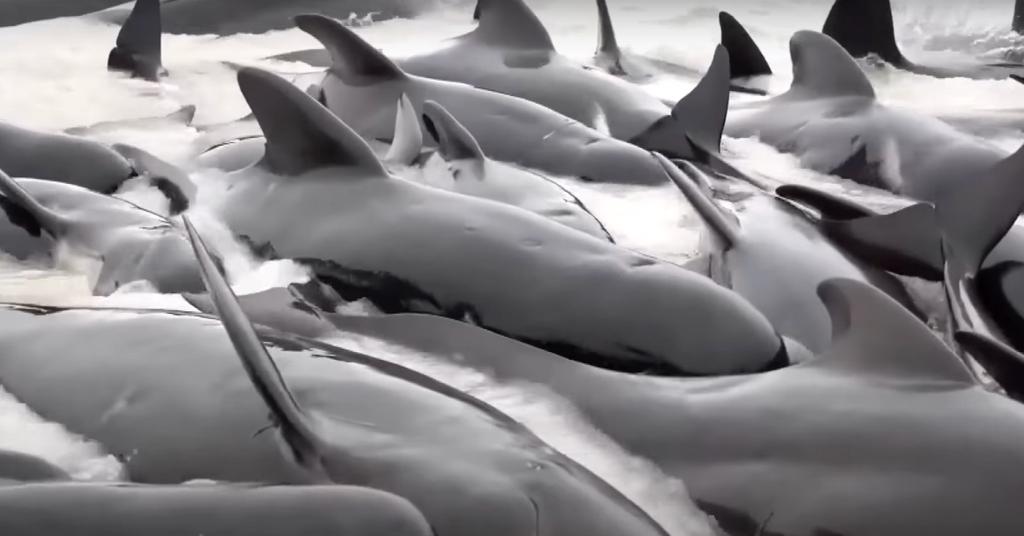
point(174, 183)
point(976, 214)
point(608, 52)
point(714, 159)
point(22, 467)
point(723, 224)
point(317, 294)
point(1001, 361)
point(829, 206)
point(512, 24)
point(745, 58)
point(408, 140)
point(476, 11)
point(295, 426)
point(873, 334)
point(57, 225)
point(138, 44)
point(699, 115)
point(907, 242)
point(301, 134)
point(352, 59)
point(864, 27)
point(1018, 17)
point(821, 68)
point(454, 141)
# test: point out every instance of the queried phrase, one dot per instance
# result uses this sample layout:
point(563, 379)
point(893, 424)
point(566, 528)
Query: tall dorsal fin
point(1018, 17)
point(408, 140)
point(454, 141)
point(296, 428)
point(1004, 363)
point(301, 133)
point(607, 45)
point(875, 335)
point(821, 68)
point(864, 27)
point(699, 115)
point(352, 59)
point(722, 224)
point(476, 11)
point(975, 214)
point(54, 223)
point(745, 58)
point(138, 43)
point(511, 24)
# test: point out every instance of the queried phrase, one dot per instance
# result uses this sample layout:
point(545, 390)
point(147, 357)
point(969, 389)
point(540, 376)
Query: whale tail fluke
point(865, 27)
point(699, 115)
point(137, 50)
point(745, 57)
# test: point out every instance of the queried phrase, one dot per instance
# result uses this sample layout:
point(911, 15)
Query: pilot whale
point(363, 86)
point(90, 509)
point(865, 27)
point(130, 243)
point(809, 450)
point(321, 196)
point(334, 417)
point(511, 52)
point(831, 120)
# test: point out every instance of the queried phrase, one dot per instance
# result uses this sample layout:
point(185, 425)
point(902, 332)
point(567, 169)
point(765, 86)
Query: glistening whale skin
point(321, 196)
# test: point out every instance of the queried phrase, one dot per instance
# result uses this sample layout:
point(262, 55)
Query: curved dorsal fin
point(296, 429)
point(352, 59)
point(511, 24)
point(1004, 363)
point(1018, 17)
point(301, 133)
point(454, 141)
point(408, 140)
point(976, 214)
point(864, 27)
point(54, 223)
point(875, 335)
point(137, 48)
point(607, 45)
point(722, 224)
point(745, 58)
point(821, 68)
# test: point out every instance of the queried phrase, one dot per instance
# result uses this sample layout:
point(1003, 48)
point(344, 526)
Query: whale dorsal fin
point(607, 45)
point(723, 224)
point(295, 426)
point(976, 214)
point(864, 27)
point(408, 140)
point(745, 58)
point(510, 24)
point(1018, 17)
point(873, 334)
point(821, 68)
point(301, 133)
point(137, 48)
point(1004, 363)
point(352, 59)
point(454, 141)
point(54, 223)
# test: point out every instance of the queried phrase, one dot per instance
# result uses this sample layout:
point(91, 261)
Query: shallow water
point(54, 78)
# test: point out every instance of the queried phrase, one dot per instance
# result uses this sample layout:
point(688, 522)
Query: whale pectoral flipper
point(1004, 363)
point(830, 206)
point(745, 57)
point(137, 48)
point(700, 115)
point(174, 183)
point(724, 225)
point(301, 133)
point(54, 223)
point(295, 426)
point(873, 334)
